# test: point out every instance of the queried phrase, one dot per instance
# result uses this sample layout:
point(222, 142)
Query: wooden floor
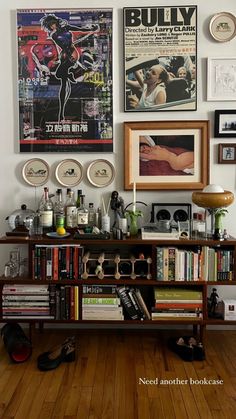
point(104, 381)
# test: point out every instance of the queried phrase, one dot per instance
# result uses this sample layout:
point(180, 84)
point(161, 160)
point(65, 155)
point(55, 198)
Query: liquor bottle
point(59, 211)
point(79, 193)
point(70, 210)
point(98, 222)
point(91, 215)
point(46, 211)
point(82, 214)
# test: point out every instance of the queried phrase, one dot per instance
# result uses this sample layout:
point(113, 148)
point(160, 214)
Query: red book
point(55, 264)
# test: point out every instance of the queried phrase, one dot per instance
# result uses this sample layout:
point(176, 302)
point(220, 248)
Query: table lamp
point(213, 197)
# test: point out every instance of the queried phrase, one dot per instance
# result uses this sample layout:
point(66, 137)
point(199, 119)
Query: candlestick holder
point(133, 216)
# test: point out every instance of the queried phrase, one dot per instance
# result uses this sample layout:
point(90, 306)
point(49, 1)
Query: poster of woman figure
point(65, 80)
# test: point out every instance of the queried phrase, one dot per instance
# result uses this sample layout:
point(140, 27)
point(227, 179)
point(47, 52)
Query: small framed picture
point(221, 79)
point(227, 153)
point(225, 123)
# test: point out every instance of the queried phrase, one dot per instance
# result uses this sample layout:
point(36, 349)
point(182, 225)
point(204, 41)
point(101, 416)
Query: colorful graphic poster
point(65, 80)
point(160, 52)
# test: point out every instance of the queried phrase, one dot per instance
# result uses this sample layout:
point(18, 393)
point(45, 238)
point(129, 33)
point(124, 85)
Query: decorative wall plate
point(100, 173)
point(35, 172)
point(223, 26)
point(69, 172)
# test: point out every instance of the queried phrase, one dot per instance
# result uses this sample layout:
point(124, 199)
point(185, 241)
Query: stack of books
point(26, 302)
point(177, 303)
point(101, 307)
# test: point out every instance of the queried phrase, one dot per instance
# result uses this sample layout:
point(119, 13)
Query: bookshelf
point(75, 271)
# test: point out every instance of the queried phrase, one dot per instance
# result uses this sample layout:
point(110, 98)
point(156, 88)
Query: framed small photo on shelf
point(221, 79)
point(225, 123)
point(227, 153)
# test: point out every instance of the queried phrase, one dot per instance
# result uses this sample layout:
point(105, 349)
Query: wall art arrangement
point(169, 155)
point(221, 78)
point(225, 123)
point(65, 80)
point(69, 172)
point(227, 153)
point(160, 55)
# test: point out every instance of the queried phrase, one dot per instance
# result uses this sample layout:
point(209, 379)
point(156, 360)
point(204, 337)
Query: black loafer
point(179, 346)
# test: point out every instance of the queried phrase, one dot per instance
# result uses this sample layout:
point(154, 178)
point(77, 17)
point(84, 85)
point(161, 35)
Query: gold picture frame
point(150, 150)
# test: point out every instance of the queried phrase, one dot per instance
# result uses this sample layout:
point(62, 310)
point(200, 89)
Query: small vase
point(133, 216)
point(133, 226)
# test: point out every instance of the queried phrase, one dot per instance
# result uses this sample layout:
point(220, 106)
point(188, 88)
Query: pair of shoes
point(188, 348)
point(198, 350)
point(62, 353)
point(181, 348)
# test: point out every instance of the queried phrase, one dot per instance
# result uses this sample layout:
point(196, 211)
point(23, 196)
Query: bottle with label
point(46, 212)
point(91, 215)
point(82, 214)
point(59, 211)
point(71, 210)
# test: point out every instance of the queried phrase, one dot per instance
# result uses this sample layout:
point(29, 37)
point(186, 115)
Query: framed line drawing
point(221, 79)
point(69, 172)
point(223, 27)
point(100, 173)
point(166, 155)
point(65, 80)
point(35, 172)
point(227, 153)
point(159, 74)
point(225, 123)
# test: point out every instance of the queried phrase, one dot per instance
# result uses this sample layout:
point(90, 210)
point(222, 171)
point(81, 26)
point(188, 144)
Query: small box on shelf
point(229, 309)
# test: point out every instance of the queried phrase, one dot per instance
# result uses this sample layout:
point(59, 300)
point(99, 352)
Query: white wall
point(14, 191)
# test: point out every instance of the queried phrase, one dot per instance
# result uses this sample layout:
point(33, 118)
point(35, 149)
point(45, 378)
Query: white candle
point(134, 196)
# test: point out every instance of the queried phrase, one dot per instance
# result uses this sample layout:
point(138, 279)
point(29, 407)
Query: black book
point(127, 303)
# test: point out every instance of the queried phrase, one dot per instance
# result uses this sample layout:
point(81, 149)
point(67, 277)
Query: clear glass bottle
point(12, 267)
point(71, 210)
point(59, 210)
point(91, 215)
point(46, 211)
point(82, 214)
point(98, 221)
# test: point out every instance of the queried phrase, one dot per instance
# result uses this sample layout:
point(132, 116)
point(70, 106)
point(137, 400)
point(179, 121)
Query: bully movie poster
point(65, 80)
point(160, 54)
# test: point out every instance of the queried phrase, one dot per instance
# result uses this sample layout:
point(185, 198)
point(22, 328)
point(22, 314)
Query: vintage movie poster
point(160, 57)
point(65, 80)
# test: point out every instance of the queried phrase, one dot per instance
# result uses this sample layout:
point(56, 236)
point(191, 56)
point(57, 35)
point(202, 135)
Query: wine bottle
point(70, 210)
point(59, 210)
point(46, 212)
point(82, 214)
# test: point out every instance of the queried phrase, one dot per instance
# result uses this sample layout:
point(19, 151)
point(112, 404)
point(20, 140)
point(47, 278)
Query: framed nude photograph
point(169, 155)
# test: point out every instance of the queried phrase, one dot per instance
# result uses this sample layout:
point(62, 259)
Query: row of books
point(177, 303)
point(59, 262)
point(206, 263)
